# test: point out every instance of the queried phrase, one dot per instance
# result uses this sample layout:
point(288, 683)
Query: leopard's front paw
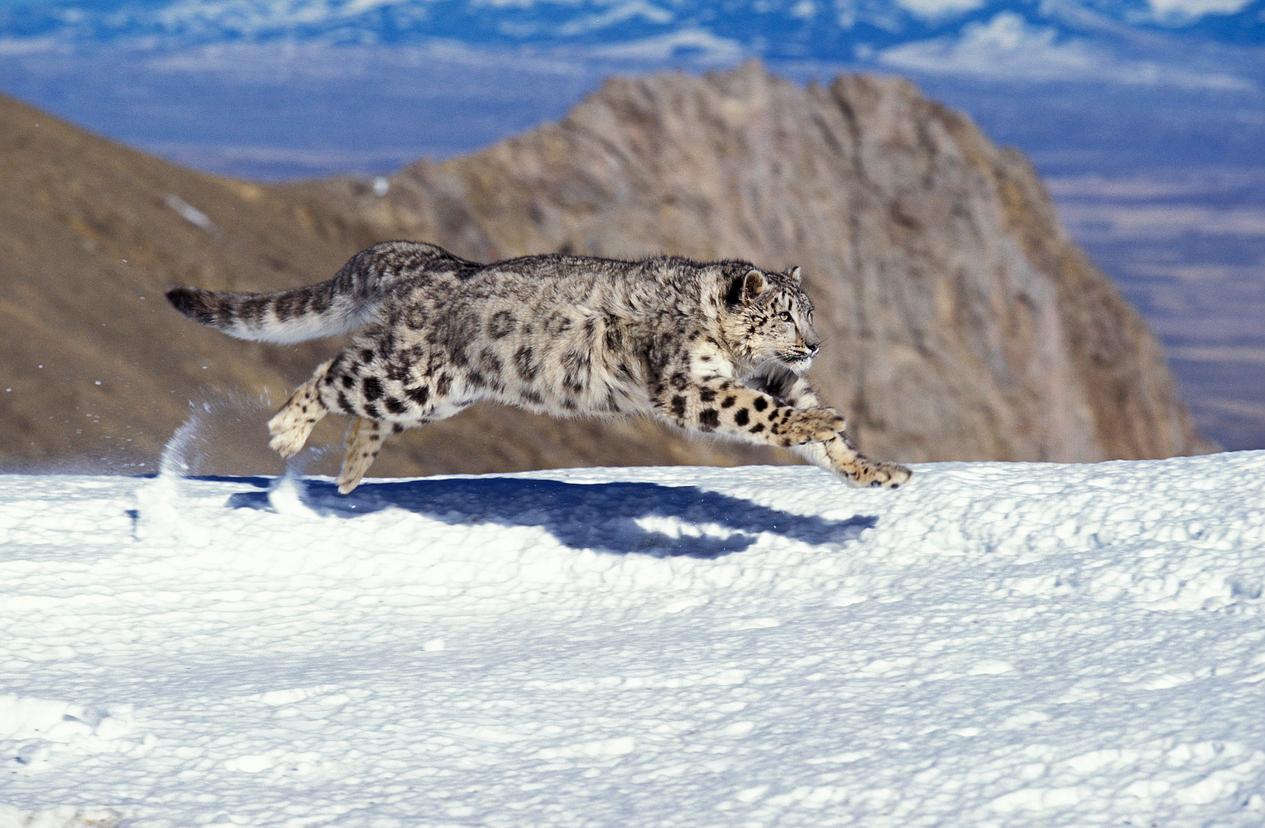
point(883, 475)
point(813, 425)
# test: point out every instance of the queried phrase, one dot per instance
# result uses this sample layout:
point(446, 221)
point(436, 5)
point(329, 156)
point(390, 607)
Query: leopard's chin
point(797, 363)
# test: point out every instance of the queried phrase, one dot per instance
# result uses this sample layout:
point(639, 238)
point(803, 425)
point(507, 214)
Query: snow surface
point(994, 644)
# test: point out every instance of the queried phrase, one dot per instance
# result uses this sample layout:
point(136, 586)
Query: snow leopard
point(717, 347)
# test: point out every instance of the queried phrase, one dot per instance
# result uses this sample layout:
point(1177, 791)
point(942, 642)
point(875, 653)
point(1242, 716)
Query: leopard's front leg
point(837, 454)
point(722, 406)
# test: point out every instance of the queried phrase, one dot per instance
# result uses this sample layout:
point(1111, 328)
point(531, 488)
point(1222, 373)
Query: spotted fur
point(344, 304)
point(711, 347)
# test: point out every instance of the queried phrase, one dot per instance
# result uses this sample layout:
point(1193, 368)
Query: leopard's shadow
point(616, 518)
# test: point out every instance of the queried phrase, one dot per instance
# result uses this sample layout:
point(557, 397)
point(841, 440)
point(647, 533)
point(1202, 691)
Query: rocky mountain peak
point(962, 320)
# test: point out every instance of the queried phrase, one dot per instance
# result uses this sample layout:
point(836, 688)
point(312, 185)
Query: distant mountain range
point(1189, 43)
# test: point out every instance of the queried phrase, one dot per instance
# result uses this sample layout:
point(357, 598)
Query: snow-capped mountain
point(816, 30)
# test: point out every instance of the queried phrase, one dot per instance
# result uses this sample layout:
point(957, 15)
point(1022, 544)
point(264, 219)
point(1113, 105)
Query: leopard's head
point(770, 319)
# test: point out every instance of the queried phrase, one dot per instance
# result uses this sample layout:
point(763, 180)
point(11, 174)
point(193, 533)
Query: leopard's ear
point(746, 288)
point(796, 275)
point(753, 284)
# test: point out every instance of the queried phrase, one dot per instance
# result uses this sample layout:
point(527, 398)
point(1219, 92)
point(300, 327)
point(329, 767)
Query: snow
point(994, 644)
point(703, 43)
point(1184, 11)
point(614, 16)
point(1008, 47)
point(189, 213)
point(933, 9)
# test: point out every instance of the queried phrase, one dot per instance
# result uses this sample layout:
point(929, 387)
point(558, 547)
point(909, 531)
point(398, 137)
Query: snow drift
point(994, 644)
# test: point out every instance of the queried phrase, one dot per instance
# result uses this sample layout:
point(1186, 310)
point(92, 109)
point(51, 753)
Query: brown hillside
point(92, 233)
point(961, 321)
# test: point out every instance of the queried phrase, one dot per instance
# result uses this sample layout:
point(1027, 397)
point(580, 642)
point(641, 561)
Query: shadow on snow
point(604, 517)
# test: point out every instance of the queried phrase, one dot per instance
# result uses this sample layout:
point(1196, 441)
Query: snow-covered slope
point(1010, 644)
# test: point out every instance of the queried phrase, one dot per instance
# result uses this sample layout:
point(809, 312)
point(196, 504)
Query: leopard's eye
point(786, 316)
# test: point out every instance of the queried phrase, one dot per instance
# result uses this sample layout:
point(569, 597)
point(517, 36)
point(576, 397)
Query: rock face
point(961, 322)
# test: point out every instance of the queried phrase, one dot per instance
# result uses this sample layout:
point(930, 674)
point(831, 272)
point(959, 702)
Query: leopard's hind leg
point(293, 423)
point(385, 396)
point(364, 441)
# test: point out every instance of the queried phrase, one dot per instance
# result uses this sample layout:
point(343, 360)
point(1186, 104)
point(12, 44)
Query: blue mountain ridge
point(772, 29)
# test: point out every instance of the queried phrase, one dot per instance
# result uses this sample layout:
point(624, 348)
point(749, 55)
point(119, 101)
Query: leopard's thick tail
point(344, 304)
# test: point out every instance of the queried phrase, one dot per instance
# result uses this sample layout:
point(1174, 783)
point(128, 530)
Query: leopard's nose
point(813, 347)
